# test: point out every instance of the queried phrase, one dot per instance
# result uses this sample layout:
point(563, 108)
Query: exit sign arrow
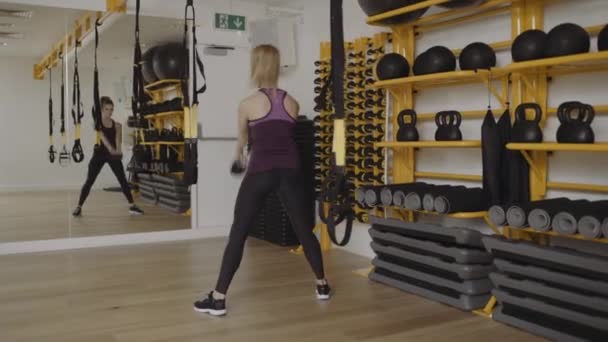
point(224, 21)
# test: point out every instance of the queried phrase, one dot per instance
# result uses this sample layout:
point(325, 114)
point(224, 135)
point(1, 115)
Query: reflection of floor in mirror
point(145, 293)
point(48, 215)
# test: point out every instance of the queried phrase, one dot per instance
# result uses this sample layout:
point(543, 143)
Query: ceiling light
point(12, 35)
point(16, 14)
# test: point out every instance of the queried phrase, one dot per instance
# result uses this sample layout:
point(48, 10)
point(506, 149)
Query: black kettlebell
point(575, 128)
point(407, 131)
point(448, 126)
point(525, 130)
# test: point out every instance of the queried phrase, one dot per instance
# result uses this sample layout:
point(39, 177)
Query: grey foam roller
point(399, 199)
point(538, 289)
point(516, 217)
point(371, 197)
point(540, 220)
point(441, 204)
point(360, 195)
point(590, 227)
point(497, 215)
point(413, 201)
point(576, 283)
point(468, 287)
point(386, 196)
point(564, 223)
point(605, 228)
point(461, 255)
point(428, 202)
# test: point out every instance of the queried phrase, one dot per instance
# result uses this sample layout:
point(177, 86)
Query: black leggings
point(251, 197)
point(95, 165)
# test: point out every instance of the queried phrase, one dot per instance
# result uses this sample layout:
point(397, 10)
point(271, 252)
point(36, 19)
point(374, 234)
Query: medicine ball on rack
point(602, 39)
point(567, 39)
point(529, 45)
point(147, 67)
point(477, 56)
point(373, 7)
point(462, 3)
point(169, 61)
point(434, 60)
point(392, 65)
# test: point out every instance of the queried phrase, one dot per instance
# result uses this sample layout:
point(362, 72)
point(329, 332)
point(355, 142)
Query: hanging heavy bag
point(575, 128)
point(448, 126)
point(407, 130)
point(525, 130)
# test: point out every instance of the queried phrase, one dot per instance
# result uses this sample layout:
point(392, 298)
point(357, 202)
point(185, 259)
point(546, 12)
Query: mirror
point(37, 198)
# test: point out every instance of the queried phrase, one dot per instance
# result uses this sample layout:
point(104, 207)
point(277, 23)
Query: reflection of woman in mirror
point(109, 151)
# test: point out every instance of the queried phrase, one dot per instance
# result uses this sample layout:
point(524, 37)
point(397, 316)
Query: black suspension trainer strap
point(335, 189)
point(191, 104)
point(77, 112)
point(64, 155)
point(96, 111)
point(137, 98)
point(51, 150)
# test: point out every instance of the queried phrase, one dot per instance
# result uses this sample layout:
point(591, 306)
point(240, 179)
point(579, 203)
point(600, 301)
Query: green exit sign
point(225, 21)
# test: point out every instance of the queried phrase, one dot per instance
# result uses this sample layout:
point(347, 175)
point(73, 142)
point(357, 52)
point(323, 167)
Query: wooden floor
point(145, 293)
point(48, 215)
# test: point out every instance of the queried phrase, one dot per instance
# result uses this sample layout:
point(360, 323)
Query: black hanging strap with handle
point(137, 98)
point(336, 189)
point(64, 155)
point(96, 111)
point(77, 112)
point(191, 104)
point(51, 150)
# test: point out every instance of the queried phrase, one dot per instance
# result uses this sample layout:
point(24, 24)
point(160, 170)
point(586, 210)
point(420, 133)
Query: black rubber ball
point(374, 7)
point(392, 65)
point(461, 3)
point(602, 39)
point(529, 45)
point(477, 56)
point(434, 60)
point(567, 39)
point(147, 67)
point(169, 61)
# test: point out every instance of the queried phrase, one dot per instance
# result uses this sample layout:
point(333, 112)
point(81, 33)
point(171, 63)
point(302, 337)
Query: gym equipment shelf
point(430, 144)
point(555, 146)
point(584, 62)
point(531, 231)
point(168, 114)
point(443, 79)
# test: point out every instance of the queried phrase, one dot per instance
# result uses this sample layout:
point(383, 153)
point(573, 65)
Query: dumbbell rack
point(362, 111)
point(529, 84)
point(158, 92)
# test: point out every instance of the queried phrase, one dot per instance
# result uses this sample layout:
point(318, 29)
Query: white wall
point(563, 166)
point(24, 143)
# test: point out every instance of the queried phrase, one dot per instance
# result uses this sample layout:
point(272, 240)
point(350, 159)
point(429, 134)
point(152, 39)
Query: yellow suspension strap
point(51, 150)
point(336, 189)
point(191, 107)
point(77, 112)
point(64, 155)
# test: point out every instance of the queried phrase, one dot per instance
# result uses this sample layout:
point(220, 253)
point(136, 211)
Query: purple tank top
point(272, 137)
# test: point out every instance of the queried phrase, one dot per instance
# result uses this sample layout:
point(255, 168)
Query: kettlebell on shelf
point(407, 130)
point(575, 128)
point(525, 130)
point(448, 126)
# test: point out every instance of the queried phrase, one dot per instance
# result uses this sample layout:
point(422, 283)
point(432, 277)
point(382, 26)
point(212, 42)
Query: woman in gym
point(107, 152)
point(269, 115)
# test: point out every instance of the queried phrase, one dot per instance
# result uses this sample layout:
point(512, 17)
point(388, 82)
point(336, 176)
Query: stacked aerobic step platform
point(272, 224)
point(554, 292)
point(445, 264)
point(166, 192)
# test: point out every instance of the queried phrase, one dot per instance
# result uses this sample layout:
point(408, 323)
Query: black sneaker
point(210, 305)
point(323, 291)
point(134, 210)
point(77, 212)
